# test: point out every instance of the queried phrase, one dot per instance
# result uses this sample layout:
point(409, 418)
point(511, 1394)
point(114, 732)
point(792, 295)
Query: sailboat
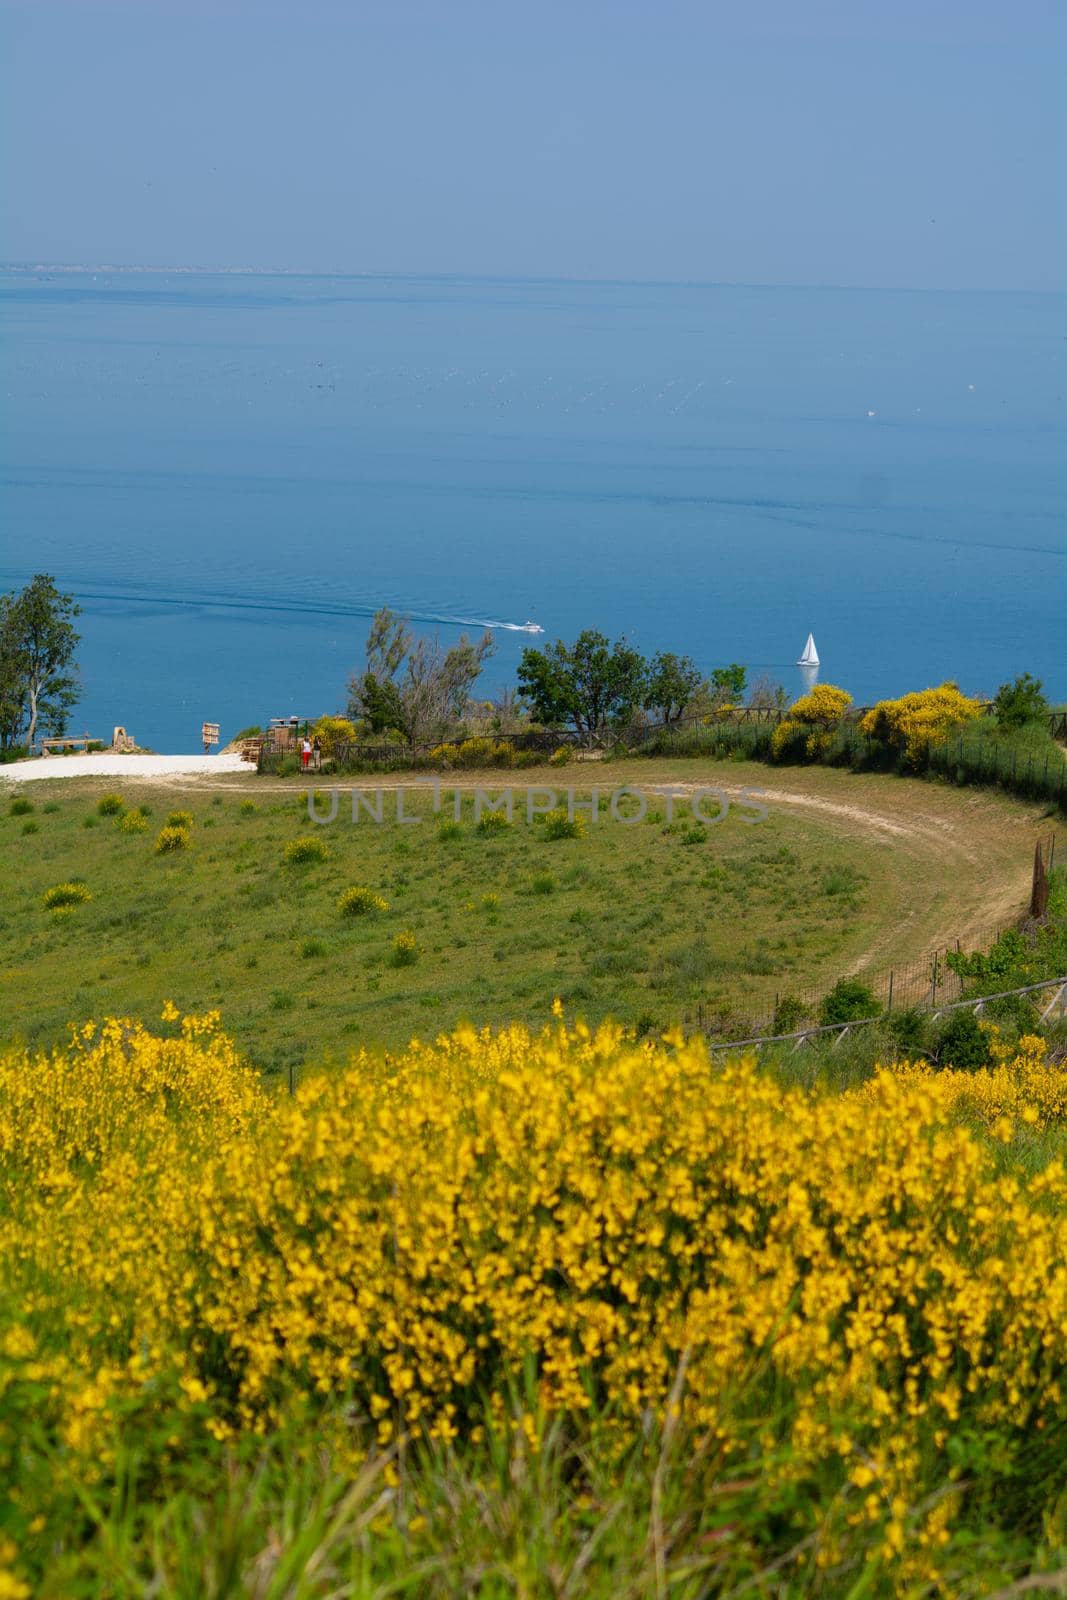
point(810, 656)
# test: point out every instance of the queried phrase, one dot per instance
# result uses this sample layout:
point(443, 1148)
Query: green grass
point(667, 1520)
point(640, 921)
point(645, 922)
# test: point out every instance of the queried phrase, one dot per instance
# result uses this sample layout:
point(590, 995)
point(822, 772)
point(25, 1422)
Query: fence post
point(889, 1002)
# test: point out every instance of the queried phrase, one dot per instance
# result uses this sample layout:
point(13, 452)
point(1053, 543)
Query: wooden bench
point(70, 742)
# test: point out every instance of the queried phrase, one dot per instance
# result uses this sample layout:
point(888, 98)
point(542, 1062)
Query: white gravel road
point(102, 765)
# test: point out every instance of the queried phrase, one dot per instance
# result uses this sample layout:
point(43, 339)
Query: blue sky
point(900, 143)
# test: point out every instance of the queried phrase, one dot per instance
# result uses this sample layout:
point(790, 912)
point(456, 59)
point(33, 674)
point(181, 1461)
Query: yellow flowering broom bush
point(916, 721)
point(62, 896)
point(171, 839)
point(360, 902)
point(815, 717)
point(834, 1288)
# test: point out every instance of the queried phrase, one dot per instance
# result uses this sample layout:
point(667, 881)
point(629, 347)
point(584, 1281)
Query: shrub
point(731, 1242)
point(31, 825)
point(1020, 702)
point(815, 718)
point(913, 724)
point(789, 1014)
point(360, 902)
point(312, 949)
point(62, 895)
point(491, 822)
point(20, 806)
point(475, 753)
point(302, 852)
point(179, 819)
point(134, 822)
point(558, 825)
point(333, 733)
point(253, 731)
point(110, 805)
point(95, 746)
point(444, 755)
point(248, 808)
point(544, 883)
point(909, 1030)
point(848, 1001)
point(449, 829)
point(561, 756)
point(963, 1043)
point(90, 821)
point(51, 808)
point(171, 839)
point(405, 949)
point(503, 754)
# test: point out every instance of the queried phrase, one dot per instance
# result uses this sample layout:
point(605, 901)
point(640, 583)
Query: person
point(305, 752)
point(316, 750)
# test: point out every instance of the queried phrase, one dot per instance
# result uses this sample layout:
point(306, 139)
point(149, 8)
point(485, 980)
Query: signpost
point(210, 735)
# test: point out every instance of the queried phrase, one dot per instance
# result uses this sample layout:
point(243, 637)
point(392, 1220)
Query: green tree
point(12, 686)
point(591, 684)
point(1020, 702)
point(412, 683)
point(672, 682)
point(37, 644)
point(729, 682)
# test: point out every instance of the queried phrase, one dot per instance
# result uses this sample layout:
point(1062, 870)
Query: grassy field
point(643, 922)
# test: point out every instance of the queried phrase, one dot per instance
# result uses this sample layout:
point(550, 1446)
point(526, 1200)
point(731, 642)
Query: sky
point(903, 143)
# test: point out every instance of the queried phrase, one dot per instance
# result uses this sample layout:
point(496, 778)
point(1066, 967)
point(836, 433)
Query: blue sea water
point(233, 472)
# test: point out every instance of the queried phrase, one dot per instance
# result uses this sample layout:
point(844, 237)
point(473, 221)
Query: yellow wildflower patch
point(636, 1226)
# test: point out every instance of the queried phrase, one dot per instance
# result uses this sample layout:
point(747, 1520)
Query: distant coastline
point(377, 274)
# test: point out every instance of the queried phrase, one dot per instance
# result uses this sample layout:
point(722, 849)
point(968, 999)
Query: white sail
point(810, 657)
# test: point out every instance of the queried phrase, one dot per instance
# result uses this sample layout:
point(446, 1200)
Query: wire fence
point(926, 982)
point(1050, 995)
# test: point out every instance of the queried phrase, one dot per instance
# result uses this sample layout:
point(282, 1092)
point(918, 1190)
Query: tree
point(1020, 702)
point(591, 684)
point(12, 687)
point(412, 683)
point(767, 695)
point(729, 682)
point(37, 644)
point(672, 682)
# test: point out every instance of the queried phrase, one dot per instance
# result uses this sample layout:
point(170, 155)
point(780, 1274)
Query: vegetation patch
point(306, 851)
point(261, 1256)
point(66, 894)
point(172, 839)
point(361, 902)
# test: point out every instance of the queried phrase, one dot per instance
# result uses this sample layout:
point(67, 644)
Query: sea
point(233, 471)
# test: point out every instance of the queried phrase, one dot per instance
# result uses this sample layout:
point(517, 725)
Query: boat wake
point(148, 594)
point(506, 627)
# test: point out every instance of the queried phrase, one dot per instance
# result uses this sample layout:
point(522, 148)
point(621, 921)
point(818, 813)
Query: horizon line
point(380, 274)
